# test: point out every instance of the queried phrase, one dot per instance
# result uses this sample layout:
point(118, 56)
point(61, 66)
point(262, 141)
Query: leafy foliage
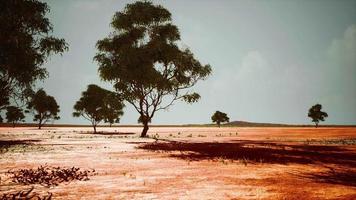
point(113, 106)
point(98, 104)
point(14, 114)
point(45, 107)
point(219, 117)
point(25, 45)
point(316, 114)
point(143, 60)
point(4, 95)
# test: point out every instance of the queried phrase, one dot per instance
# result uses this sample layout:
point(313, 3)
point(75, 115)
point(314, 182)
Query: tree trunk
point(40, 124)
point(316, 125)
point(13, 124)
point(219, 124)
point(145, 129)
point(94, 126)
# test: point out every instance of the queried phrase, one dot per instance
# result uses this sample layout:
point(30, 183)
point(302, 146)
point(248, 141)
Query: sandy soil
point(188, 163)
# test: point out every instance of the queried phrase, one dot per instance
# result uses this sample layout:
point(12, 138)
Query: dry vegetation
point(25, 195)
point(48, 176)
point(178, 163)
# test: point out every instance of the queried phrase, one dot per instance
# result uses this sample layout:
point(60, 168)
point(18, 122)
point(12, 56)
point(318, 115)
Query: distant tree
point(98, 104)
point(143, 60)
point(14, 115)
point(219, 117)
point(111, 120)
point(25, 45)
point(44, 107)
point(316, 114)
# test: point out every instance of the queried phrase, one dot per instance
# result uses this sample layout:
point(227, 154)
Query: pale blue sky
point(271, 59)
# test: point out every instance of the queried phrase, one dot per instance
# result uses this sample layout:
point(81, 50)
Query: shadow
point(342, 177)
point(16, 142)
point(256, 152)
point(136, 142)
point(6, 144)
point(108, 133)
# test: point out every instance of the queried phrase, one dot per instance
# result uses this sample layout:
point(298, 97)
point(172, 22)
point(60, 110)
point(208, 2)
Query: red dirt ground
point(188, 163)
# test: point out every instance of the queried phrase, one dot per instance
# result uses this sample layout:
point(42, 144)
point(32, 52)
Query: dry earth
point(188, 163)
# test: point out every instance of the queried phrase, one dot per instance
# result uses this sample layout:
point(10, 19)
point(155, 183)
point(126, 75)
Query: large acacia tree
point(142, 58)
point(25, 45)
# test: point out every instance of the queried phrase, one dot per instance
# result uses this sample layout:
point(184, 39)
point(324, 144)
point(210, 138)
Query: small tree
point(97, 104)
point(219, 117)
point(44, 107)
point(14, 115)
point(316, 114)
point(113, 106)
point(142, 58)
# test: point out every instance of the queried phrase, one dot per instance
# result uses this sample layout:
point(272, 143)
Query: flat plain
point(186, 162)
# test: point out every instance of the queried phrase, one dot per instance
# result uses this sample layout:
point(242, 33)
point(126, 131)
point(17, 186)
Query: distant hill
point(256, 124)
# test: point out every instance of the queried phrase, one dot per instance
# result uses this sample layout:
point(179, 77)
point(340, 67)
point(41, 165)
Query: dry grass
point(187, 162)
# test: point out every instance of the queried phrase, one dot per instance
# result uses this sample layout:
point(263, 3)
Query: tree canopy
point(316, 114)
point(25, 45)
point(14, 115)
point(97, 104)
point(44, 107)
point(142, 58)
point(219, 117)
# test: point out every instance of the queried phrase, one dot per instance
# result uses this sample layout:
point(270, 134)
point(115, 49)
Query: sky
point(271, 59)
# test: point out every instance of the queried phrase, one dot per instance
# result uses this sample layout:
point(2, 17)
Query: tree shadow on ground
point(339, 176)
point(256, 152)
point(109, 133)
point(8, 143)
